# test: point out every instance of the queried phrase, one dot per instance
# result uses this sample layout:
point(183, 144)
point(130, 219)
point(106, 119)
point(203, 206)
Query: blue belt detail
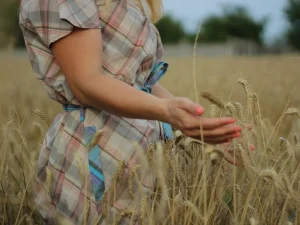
point(95, 166)
point(157, 73)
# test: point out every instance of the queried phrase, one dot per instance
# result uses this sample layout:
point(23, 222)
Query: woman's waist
point(109, 123)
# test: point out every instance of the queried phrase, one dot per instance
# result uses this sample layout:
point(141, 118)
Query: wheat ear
point(42, 115)
point(249, 95)
point(214, 100)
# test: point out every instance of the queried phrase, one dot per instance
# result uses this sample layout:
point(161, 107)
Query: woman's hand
point(229, 149)
point(184, 115)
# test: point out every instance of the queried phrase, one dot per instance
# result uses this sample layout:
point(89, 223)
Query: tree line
point(233, 23)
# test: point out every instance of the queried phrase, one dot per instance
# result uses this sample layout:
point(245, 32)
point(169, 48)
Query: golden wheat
point(249, 96)
point(42, 115)
point(263, 190)
point(213, 99)
point(95, 138)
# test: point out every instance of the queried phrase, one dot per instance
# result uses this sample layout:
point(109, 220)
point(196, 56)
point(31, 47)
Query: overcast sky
point(191, 11)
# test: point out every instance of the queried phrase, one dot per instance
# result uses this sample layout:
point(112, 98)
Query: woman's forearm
point(161, 92)
point(79, 56)
point(118, 98)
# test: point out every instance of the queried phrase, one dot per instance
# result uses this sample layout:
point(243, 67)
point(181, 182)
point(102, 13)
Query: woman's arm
point(79, 56)
point(161, 92)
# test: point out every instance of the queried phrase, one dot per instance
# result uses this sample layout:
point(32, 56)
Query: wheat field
point(195, 184)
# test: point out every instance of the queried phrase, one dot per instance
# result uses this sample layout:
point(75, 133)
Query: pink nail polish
point(238, 129)
point(252, 148)
point(199, 110)
point(232, 121)
point(237, 135)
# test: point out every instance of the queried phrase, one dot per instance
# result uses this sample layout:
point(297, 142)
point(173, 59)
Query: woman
point(99, 59)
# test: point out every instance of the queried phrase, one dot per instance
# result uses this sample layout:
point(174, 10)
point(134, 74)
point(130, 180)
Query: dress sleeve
point(160, 68)
point(52, 20)
point(159, 47)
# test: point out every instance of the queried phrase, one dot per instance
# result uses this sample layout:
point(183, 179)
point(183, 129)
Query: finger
point(195, 133)
point(249, 127)
point(221, 131)
point(207, 123)
point(222, 139)
point(193, 108)
point(231, 159)
point(213, 123)
point(214, 142)
point(252, 148)
point(226, 145)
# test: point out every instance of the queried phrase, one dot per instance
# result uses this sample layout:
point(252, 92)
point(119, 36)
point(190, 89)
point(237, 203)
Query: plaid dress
point(131, 50)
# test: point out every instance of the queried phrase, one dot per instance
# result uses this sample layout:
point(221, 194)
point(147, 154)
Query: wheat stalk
point(131, 177)
point(95, 139)
point(253, 221)
point(80, 166)
point(22, 138)
point(214, 100)
point(143, 211)
point(161, 183)
point(121, 171)
point(232, 110)
point(213, 110)
point(118, 217)
point(189, 205)
point(256, 111)
point(249, 96)
point(49, 179)
point(98, 219)
point(63, 220)
point(42, 115)
point(182, 193)
point(293, 111)
point(194, 64)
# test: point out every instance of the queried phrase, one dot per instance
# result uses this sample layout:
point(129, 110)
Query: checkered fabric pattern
point(131, 47)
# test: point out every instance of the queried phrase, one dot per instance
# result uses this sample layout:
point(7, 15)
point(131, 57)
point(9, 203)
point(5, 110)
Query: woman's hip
point(73, 177)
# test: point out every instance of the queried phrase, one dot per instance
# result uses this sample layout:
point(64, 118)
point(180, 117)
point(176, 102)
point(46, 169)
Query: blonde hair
point(156, 9)
point(153, 9)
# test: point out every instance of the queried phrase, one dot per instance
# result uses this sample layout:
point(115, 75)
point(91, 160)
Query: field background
point(273, 78)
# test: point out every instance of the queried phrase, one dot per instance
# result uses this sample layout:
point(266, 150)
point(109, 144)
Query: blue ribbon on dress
point(156, 74)
point(95, 167)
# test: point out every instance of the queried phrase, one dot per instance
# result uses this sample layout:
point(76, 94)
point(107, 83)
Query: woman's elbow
point(79, 89)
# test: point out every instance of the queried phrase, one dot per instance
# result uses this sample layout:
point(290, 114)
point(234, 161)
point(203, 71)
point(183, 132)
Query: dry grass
point(195, 185)
point(273, 79)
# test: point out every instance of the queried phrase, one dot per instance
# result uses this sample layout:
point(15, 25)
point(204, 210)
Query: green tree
point(234, 22)
point(292, 12)
point(171, 30)
point(9, 25)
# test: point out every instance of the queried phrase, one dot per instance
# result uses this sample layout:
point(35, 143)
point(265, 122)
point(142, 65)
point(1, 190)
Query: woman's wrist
point(163, 110)
point(160, 91)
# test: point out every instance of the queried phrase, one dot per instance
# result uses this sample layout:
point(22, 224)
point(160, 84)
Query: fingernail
point(232, 121)
point(237, 135)
point(238, 129)
point(199, 110)
point(252, 148)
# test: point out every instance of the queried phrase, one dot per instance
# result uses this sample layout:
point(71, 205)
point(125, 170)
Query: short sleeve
point(159, 47)
point(54, 19)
